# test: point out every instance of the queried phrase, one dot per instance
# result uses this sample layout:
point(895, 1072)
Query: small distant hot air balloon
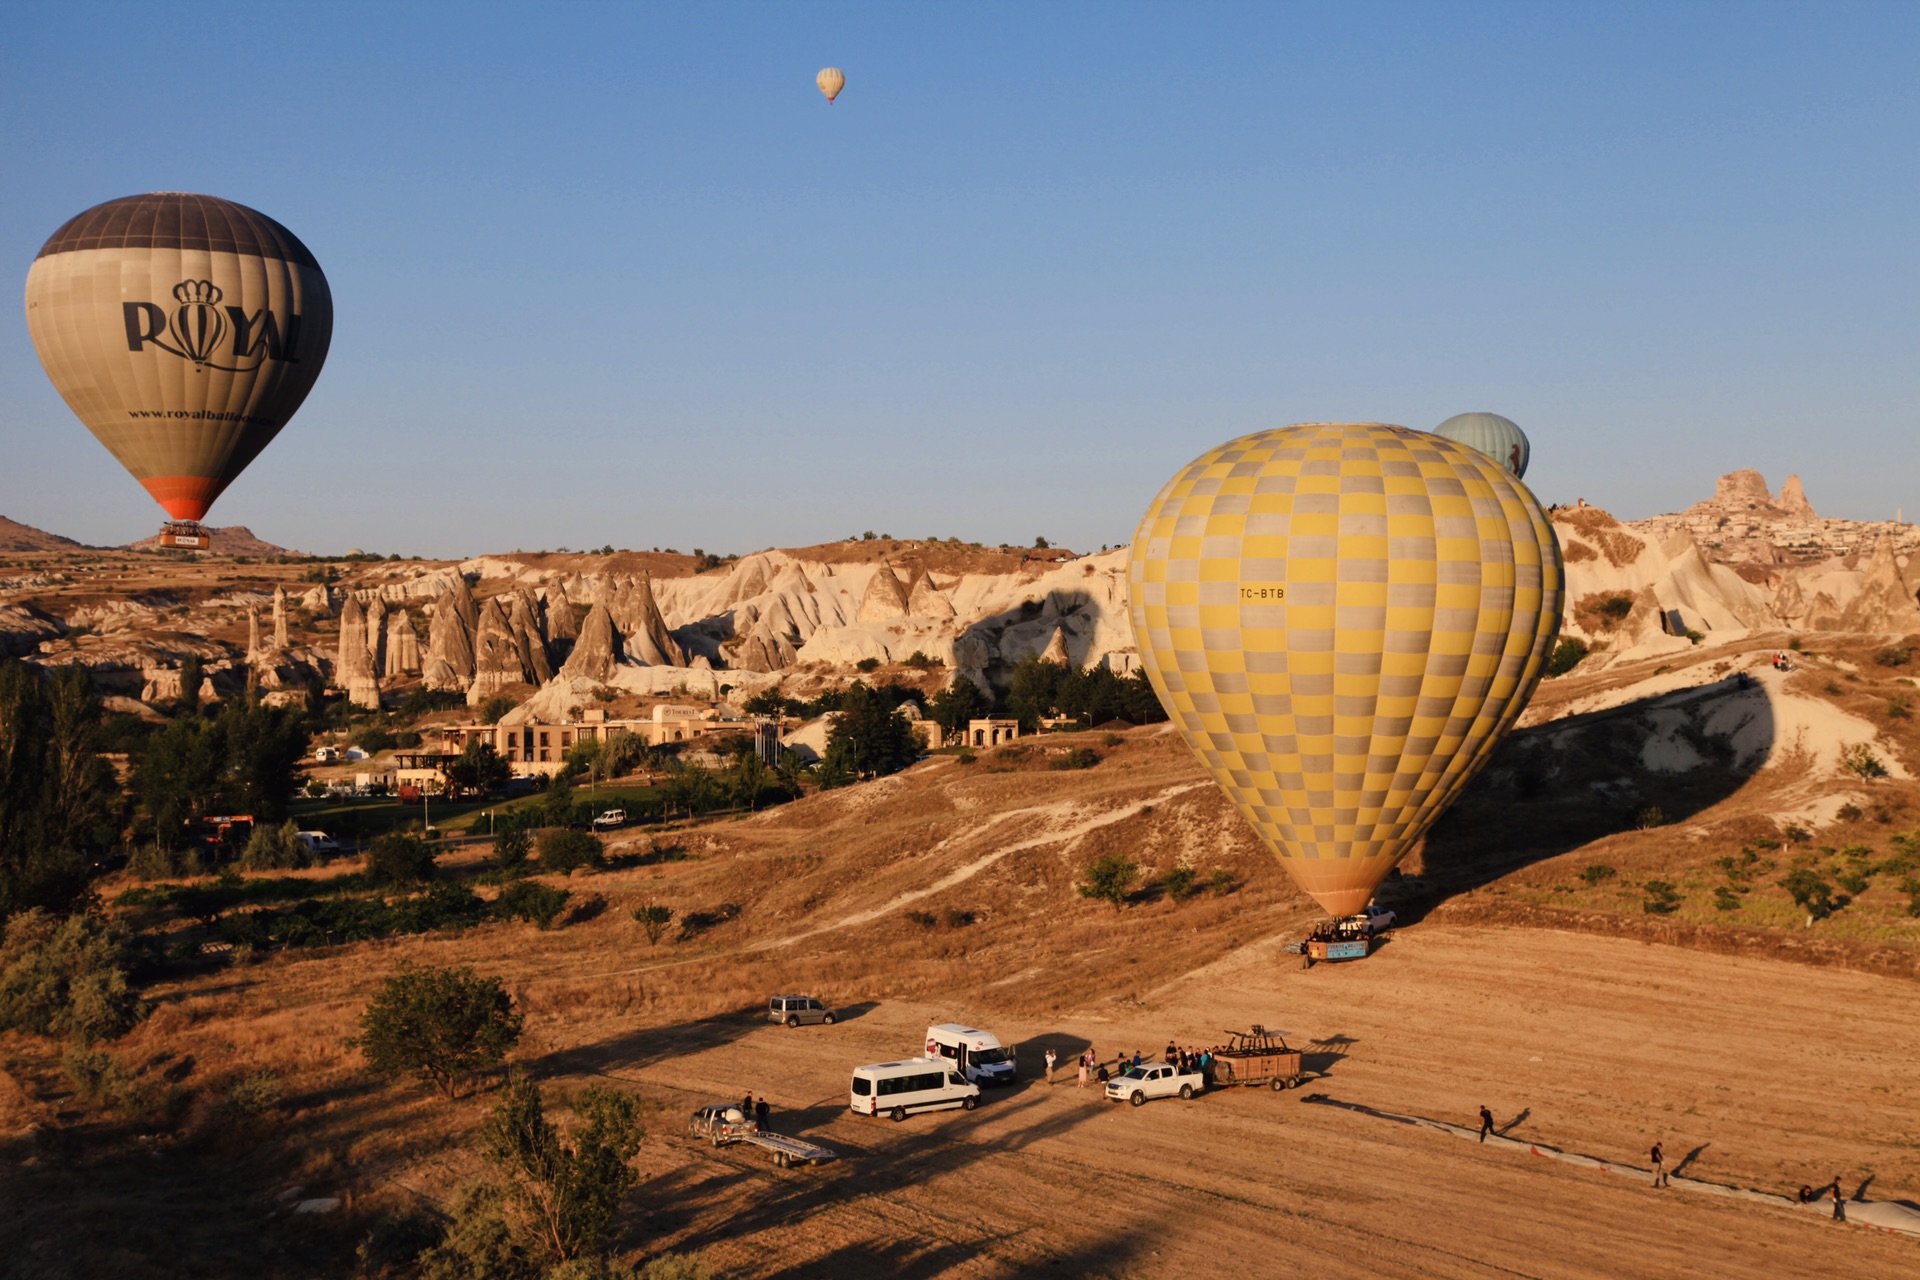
point(1499, 438)
point(1343, 621)
point(831, 82)
point(184, 331)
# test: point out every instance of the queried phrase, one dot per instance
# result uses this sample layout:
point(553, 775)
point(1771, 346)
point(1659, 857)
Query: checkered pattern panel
point(1343, 620)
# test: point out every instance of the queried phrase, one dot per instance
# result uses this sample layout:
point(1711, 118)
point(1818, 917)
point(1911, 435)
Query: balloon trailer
point(1258, 1057)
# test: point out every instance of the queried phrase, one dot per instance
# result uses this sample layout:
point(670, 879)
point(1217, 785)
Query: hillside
point(15, 536)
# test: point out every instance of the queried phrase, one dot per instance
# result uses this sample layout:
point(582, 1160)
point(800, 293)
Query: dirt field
point(1771, 1074)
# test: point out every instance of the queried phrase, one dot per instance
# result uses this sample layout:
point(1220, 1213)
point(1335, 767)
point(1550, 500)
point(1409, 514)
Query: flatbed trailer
point(790, 1151)
point(1258, 1057)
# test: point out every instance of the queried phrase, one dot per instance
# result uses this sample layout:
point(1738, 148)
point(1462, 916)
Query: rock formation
point(377, 635)
point(1793, 501)
point(563, 627)
point(403, 647)
point(253, 635)
point(462, 600)
point(497, 661)
point(647, 638)
point(1056, 650)
point(927, 600)
point(318, 602)
point(279, 619)
point(525, 621)
point(1884, 602)
point(596, 651)
point(449, 661)
point(884, 598)
point(353, 668)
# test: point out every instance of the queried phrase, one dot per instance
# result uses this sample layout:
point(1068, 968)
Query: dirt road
point(1751, 1072)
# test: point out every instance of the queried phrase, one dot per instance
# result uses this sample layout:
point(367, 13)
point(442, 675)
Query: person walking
point(1052, 1058)
point(1659, 1167)
point(760, 1110)
point(1486, 1123)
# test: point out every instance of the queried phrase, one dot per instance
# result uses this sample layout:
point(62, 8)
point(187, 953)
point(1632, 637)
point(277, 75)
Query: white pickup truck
point(1154, 1080)
point(1371, 919)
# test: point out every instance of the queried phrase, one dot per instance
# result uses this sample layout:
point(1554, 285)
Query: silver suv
point(794, 1010)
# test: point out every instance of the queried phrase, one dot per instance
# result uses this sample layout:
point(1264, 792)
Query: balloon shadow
point(1555, 787)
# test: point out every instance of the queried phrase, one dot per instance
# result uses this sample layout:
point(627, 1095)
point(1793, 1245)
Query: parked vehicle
point(1372, 919)
point(900, 1089)
point(794, 1010)
point(978, 1055)
point(611, 818)
point(1154, 1080)
point(724, 1123)
point(319, 844)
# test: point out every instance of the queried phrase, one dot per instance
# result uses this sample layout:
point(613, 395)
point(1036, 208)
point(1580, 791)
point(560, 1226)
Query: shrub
point(1566, 656)
point(532, 901)
point(151, 862)
point(1795, 644)
point(1859, 760)
point(925, 919)
point(1180, 883)
point(965, 755)
point(920, 661)
point(511, 850)
point(1221, 881)
point(566, 1194)
point(1662, 898)
point(1811, 893)
point(562, 850)
point(955, 918)
point(1725, 899)
point(373, 740)
point(440, 1025)
point(97, 1076)
point(1796, 833)
point(867, 664)
point(1849, 813)
point(677, 1266)
point(399, 858)
point(1899, 708)
point(654, 919)
point(1911, 887)
point(1078, 758)
point(1597, 873)
point(1649, 818)
point(1695, 636)
point(1895, 656)
point(1109, 878)
point(490, 711)
point(272, 848)
point(65, 977)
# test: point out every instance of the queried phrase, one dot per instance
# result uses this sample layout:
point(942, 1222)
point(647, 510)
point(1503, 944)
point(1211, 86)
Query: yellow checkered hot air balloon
point(1343, 620)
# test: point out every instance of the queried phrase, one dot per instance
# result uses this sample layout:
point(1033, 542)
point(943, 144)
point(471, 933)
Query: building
point(538, 748)
point(991, 733)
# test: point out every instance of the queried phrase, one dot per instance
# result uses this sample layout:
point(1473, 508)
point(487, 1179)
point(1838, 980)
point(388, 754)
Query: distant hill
point(234, 540)
point(15, 536)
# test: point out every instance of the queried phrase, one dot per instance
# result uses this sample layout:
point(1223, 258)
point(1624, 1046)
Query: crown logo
point(204, 292)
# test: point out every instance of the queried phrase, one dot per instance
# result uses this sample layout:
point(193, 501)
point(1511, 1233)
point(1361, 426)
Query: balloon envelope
point(831, 82)
point(1499, 438)
point(1343, 620)
point(184, 331)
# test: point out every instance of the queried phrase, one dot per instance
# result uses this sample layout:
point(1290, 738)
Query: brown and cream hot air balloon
point(1344, 620)
point(831, 82)
point(184, 331)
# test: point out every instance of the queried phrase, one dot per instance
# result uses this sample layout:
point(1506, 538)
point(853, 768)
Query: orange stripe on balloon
point(184, 497)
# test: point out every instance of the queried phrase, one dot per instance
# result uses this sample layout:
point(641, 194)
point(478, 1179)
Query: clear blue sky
point(614, 273)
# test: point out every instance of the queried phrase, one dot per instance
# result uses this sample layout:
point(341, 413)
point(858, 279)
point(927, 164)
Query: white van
point(977, 1054)
point(318, 843)
point(918, 1084)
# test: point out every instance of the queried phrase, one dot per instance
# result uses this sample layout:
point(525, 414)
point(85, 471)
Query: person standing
point(1486, 1123)
point(760, 1110)
point(746, 1106)
point(1839, 1205)
point(1083, 1072)
point(1659, 1167)
point(1052, 1058)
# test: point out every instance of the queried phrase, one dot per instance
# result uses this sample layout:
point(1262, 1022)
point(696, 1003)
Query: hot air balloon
point(1499, 438)
point(1343, 621)
point(831, 82)
point(184, 331)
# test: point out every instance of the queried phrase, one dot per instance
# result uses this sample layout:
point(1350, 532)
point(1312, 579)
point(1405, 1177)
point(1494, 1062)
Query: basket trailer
point(790, 1151)
point(1258, 1057)
point(725, 1125)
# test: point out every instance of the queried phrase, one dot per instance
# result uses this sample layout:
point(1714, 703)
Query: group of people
point(1809, 1195)
point(1783, 661)
point(1094, 1069)
point(1338, 931)
point(756, 1110)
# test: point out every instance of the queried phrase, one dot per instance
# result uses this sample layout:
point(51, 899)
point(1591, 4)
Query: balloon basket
point(185, 535)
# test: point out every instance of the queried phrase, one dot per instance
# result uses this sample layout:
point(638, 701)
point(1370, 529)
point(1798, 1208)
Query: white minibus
point(978, 1055)
point(900, 1088)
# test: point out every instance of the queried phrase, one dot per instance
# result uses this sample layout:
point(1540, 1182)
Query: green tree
point(242, 760)
point(191, 678)
point(567, 1193)
point(399, 858)
point(58, 799)
point(750, 779)
point(511, 848)
point(440, 1025)
point(957, 704)
point(1109, 878)
point(653, 918)
point(66, 977)
point(561, 850)
point(275, 848)
point(477, 771)
point(1034, 691)
point(490, 711)
point(873, 739)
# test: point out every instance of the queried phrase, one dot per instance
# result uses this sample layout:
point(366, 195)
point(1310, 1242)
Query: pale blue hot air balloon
point(1499, 438)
